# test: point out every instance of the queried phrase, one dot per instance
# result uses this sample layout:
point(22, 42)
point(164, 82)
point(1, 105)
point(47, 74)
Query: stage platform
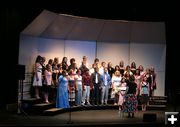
point(37, 107)
point(84, 116)
point(108, 117)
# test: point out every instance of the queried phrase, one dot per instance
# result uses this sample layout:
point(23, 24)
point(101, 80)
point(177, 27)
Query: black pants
point(96, 94)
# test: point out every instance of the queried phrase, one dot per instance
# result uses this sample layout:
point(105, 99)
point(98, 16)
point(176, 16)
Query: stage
point(38, 113)
point(109, 117)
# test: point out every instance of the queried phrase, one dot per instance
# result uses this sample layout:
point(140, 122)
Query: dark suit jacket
point(93, 78)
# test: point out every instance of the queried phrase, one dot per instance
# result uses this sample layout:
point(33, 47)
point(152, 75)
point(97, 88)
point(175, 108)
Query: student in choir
point(153, 79)
point(84, 62)
point(116, 81)
point(92, 69)
point(142, 72)
point(101, 69)
point(116, 68)
point(72, 64)
point(138, 80)
point(122, 92)
point(121, 67)
point(43, 68)
point(96, 82)
point(71, 86)
point(96, 63)
point(144, 92)
point(133, 68)
point(60, 70)
point(86, 85)
point(50, 62)
point(84, 65)
point(78, 87)
point(64, 63)
point(105, 85)
point(149, 80)
point(55, 71)
point(62, 98)
point(52, 90)
point(110, 69)
point(47, 82)
point(130, 103)
point(37, 81)
point(128, 71)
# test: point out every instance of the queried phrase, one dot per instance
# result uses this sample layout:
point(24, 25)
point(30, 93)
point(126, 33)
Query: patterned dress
point(130, 104)
point(122, 93)
point(71, 89)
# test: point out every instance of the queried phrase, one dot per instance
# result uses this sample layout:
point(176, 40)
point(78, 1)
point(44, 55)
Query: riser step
point(56, 111)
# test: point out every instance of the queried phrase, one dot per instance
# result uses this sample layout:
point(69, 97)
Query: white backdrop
point(77, 49)
point(149, 55)
point(113, 52)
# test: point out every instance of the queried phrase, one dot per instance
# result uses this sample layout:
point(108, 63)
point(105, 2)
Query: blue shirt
point(106, 79)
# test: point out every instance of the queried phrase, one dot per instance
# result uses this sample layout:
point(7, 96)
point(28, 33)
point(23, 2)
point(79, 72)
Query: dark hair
point(132, 78)
point(96, 59)
point(72, 60)
point(50, 61)
point(38, 59)
point(63, 60)
point(64, 72)
point(133, 65)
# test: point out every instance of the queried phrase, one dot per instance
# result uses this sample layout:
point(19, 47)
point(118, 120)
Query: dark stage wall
point(15, 20)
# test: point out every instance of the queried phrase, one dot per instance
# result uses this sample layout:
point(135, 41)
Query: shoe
point(47, 102)
point(88, 104)
point(37, 97)
point(115, 103)
point(132, 115)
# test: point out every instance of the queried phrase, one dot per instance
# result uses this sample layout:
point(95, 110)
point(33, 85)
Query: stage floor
point(78, 118)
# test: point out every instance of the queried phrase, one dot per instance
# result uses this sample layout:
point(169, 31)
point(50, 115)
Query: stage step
point(39, 108)
point(53, 111)
point(56, 111)
point(27, 104)
point(157, 102)
point(158, 98)
point(31, 101)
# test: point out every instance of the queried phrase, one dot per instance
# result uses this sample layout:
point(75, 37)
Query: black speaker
point(20, 72)
point(149, 117)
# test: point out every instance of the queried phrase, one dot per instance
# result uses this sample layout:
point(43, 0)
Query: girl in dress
point(130, 104)
point(62, 99)
point(144, 92)
point(154, 82)
point(122, 91)
point(71, 86)
point(121, 67)
point(37, 82)
point(133, 68)
point(47, 82)
point(116, 81)
point(78, 84)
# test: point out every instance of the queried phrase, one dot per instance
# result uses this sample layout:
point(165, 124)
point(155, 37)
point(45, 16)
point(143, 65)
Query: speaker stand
point(20, 92)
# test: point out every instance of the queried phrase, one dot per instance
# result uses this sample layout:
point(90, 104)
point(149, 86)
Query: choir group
point(93, 85)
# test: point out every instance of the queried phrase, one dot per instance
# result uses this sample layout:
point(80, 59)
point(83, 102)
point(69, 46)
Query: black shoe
point(129, 115)
point(132, 115)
